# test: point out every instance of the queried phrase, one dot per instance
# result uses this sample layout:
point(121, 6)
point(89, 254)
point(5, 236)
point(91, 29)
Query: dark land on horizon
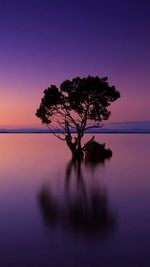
point(104, 131)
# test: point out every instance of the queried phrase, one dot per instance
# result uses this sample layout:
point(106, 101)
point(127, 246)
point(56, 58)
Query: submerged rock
point(96, 152)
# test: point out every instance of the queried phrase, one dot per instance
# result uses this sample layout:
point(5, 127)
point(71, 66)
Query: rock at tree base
point(96, 152)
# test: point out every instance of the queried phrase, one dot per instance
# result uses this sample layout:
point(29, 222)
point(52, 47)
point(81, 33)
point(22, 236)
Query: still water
point(57, 213)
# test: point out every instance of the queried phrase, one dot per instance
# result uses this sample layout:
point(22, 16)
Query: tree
point(78, 105)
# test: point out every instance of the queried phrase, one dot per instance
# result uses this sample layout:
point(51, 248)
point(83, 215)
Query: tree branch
point(88, 142)
point(94, 126)
point(68, 114)
point(57, 135)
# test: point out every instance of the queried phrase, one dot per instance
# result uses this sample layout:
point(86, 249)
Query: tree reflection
point(84, 210)
point(49, 206)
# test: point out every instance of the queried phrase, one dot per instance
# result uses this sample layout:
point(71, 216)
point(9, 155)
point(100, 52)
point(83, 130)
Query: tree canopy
point(79, 104)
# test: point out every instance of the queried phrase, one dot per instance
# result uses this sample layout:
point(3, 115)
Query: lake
point(54, 212)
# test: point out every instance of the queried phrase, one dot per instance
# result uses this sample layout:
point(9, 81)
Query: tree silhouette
point(78, 105)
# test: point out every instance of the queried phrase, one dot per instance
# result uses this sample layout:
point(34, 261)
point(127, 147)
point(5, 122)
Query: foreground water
point(55, 213)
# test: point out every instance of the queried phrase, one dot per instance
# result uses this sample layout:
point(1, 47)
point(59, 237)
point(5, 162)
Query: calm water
point(55, 213)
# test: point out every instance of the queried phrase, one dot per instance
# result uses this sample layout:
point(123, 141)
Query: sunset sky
point(44, 42)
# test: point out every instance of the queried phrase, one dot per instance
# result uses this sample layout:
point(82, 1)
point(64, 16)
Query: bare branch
point(57, 135)
point(88, 142)
point(69, 115)
point(94, 126)
point(71, 126)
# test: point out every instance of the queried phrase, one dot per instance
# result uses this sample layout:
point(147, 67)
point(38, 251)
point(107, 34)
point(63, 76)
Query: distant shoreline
point(38, 132)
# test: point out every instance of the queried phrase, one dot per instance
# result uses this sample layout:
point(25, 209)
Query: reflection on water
point(59, 213)
point(83, 211)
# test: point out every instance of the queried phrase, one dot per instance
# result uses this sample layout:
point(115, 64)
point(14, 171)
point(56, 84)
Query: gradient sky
point(47, 41)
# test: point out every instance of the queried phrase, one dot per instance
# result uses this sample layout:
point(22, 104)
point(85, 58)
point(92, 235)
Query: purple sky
point(44, 42)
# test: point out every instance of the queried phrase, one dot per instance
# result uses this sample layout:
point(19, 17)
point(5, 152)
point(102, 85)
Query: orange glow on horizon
point(17, 110)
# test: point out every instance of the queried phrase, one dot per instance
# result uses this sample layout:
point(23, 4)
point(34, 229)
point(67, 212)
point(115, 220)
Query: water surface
point(56, 213)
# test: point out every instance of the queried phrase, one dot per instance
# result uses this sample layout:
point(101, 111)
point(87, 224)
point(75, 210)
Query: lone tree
point(78, 105)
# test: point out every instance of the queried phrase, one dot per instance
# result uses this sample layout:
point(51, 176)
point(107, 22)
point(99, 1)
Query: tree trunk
point(75, 147)
point(79, 150)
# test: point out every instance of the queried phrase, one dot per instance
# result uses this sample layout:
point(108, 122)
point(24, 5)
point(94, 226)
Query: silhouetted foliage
point(74, 106)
